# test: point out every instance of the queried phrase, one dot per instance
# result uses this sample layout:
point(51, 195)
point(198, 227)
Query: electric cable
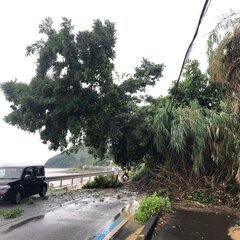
point(203, 12)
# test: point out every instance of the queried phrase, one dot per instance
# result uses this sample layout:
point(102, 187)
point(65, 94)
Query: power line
point(204, 11)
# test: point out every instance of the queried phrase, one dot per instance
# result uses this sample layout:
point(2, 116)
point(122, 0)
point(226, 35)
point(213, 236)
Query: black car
point(19, 182)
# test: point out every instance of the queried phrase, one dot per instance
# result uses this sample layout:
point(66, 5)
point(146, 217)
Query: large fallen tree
point(199, 140)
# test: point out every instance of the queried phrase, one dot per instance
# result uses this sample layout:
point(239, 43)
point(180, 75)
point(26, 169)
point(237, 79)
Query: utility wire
point(204, 11)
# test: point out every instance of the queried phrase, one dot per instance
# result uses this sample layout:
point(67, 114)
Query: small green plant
point(138, 173)
point(14, 213)
point(201, 196)
point(150, 205)
point(163, 192)
point(109, 181)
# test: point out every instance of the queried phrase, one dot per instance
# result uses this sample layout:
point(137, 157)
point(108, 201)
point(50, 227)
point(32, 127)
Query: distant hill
point(71, 160)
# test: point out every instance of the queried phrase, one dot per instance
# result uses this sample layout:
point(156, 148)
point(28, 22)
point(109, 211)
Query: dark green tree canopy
point(73, 98)
point(195, 86)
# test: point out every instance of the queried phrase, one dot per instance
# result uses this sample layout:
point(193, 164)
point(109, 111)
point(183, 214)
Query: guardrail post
point(61, 183)
point(72, 182)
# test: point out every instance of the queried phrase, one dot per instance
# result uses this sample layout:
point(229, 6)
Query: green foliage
point(101, 181)
point(139, 172)
point(146, 75)
point(223, 48)
point(163, 192)
point(200, 136)
point(201, 196)
point(133, 138)
point(14, 213)
point(199, 140)
point(150, 205)
point(73, 98)
point(196, 87)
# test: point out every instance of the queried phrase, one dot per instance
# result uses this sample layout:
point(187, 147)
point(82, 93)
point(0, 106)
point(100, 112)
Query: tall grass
point(203, 141)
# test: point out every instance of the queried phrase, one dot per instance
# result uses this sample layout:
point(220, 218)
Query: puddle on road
point(189, 225)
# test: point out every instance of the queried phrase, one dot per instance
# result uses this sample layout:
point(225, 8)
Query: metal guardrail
point(80, 176)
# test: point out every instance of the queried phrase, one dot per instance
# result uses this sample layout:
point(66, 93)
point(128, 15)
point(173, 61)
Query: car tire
point(17, 197)
point(43, 191)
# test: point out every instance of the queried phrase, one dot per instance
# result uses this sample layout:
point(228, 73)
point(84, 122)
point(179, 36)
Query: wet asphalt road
point(73, 221)
point(192, 225)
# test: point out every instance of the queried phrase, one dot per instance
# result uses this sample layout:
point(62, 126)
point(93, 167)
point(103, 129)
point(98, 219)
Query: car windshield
point(10, 172)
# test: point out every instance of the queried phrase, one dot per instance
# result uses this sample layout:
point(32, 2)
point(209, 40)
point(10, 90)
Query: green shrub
point(201, 196)
point(150, 205)
point(14, 213)
point(101, 181)
point(163, 192)
point(139, 172)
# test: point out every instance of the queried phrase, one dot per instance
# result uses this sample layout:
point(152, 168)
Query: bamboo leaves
point(208, 137)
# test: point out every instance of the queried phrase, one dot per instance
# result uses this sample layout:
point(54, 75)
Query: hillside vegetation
point(64, 160)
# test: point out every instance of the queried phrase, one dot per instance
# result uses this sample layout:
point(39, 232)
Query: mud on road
point(57, 198)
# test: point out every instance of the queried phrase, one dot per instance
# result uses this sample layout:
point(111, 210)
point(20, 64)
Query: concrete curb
point(116, 229)
point(105, 235)
point(146, 233)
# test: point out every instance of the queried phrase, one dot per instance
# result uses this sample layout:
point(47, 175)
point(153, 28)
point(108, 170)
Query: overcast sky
point(157, 30)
